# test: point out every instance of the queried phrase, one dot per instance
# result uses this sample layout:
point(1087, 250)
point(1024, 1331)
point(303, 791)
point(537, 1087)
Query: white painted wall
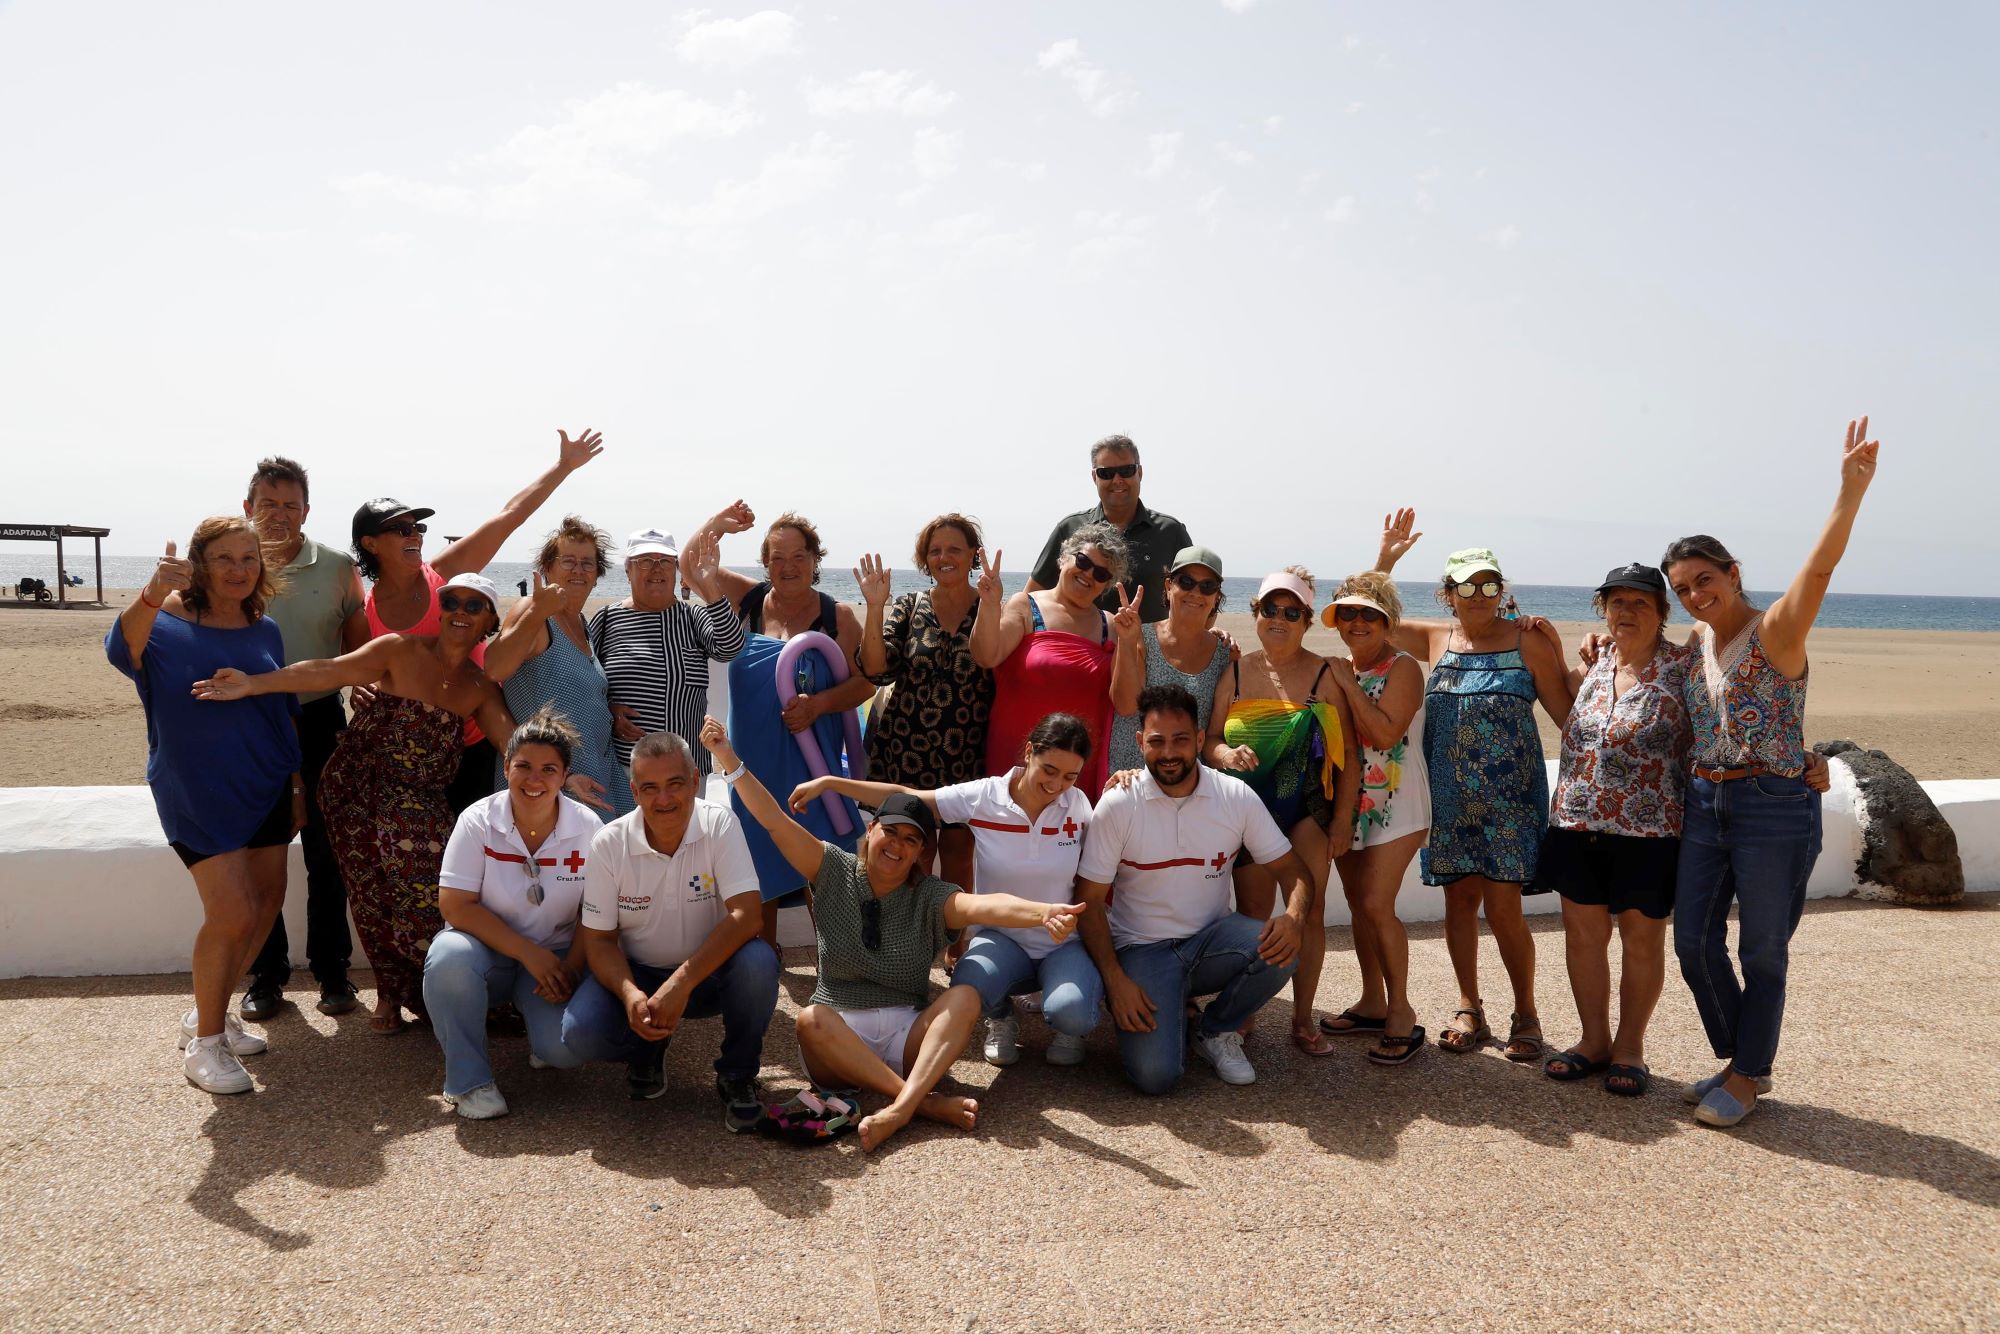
point(88, 885)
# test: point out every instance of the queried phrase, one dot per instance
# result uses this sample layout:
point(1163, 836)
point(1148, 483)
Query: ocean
point(1857, 611)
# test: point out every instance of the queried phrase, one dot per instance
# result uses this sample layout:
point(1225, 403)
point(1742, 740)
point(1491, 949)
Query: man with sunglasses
point(1152, 538)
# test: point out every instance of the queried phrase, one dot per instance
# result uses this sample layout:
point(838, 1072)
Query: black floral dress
point(932, 731)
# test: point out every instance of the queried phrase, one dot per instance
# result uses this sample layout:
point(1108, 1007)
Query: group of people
point(1083, 791)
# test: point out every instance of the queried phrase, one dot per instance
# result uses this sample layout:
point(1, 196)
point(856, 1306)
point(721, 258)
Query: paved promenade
point(1457, 1191)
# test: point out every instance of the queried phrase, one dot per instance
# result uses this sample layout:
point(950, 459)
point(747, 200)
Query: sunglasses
point(1271, 611)
point(871, 923)
point(1117, 470)
point(1085, 565)
point(535, 891)
point(1187, 583)
point(453, 602)
point(1486, 588)
point(1357, 614)
point(403, 528)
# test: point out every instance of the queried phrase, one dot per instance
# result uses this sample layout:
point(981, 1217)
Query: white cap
point(479, 584)
point(651, 542)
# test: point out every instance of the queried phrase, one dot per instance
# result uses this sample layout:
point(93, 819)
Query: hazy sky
point(1573, 279)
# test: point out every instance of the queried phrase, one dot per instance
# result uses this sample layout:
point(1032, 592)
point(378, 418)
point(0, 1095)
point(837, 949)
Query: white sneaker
point(480, 1104)
point(213, 1068)
point(242, 1042)
point(1064, 1050)
point(1003, 1040)
point(1224, 1051)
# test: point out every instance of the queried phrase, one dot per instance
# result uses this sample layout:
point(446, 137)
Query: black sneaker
point(742, 1105)
point(336, 997)
point(646, 1077)
point(261, 1001)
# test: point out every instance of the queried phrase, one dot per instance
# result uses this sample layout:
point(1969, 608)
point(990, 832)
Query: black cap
point(368, 520)
point(902, 808)
point(1635, 576)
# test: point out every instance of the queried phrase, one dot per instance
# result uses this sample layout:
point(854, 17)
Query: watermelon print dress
point(1395, 785)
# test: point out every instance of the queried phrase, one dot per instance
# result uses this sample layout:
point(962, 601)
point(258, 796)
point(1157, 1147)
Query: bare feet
point(877, 1127)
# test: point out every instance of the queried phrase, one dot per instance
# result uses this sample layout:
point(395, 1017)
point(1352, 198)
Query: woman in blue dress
point(1489, 781)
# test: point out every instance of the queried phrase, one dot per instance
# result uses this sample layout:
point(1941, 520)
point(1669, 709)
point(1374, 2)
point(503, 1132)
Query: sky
point(1571, 279)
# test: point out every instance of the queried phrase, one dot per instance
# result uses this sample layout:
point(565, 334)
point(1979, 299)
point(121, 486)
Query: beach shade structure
point(56, 532)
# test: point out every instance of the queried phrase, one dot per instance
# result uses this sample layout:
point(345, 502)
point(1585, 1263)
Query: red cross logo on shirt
point(1069, 828)
point(1221, 858)
point(574, 862)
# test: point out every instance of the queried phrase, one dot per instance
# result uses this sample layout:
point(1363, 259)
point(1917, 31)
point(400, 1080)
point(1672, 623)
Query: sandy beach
point(1930, 699)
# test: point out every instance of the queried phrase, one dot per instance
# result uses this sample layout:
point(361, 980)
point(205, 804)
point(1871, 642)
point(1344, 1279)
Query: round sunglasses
point(1357, 614)
point(1486, 588)
point(1271, 611)
point(471, 606)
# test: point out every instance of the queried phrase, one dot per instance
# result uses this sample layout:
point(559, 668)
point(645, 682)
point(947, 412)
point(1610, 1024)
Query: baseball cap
point(477, 583)
point(651, 542)
point(902, 808)
point(1461, 565)
point(1642, 577)
point(368, 520)
point(1187, 556)
point(1284, 581)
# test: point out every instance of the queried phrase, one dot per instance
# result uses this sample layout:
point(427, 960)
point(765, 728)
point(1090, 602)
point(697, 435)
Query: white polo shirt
point(1013, 855)
point(664, 907)
point(1168, 859)
point(486, 856)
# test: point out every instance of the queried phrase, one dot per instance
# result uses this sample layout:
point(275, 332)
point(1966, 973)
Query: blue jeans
point(1753, 840)
point(998, 968)
point(744, 991)
point(1221, 958)
point(464, 978)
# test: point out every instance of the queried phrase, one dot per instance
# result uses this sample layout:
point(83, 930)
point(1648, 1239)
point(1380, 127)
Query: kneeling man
point(670, 919)
point(1166, 843)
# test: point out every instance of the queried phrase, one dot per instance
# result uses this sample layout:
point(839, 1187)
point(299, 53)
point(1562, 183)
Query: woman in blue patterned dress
point(1489, 782)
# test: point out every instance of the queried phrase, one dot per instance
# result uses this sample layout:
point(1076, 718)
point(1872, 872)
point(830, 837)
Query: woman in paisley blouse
point(931, 732)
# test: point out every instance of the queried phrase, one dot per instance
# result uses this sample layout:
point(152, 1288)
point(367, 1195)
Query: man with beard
point(1166, 843)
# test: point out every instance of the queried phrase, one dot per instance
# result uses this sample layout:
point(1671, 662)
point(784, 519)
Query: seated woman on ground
point(881, 918)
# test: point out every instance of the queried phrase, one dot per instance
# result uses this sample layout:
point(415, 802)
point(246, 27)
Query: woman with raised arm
point(881, 918)
point(1392, 814)
point(402, 595)
point(1489, 782)
point(1288, 732)
point(1752, 829)
point(931, 731)
point(225, 781)
point(1182, 650)
point(1027, 829)
point(788, 603)
point(384, 787)
point(1054, 651)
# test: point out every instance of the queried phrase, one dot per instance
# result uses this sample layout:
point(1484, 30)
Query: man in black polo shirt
point(1152, 537)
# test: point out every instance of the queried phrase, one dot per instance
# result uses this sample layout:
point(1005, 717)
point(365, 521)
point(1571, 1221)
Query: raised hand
point(1060, 920)
point(1857, 458)
point(736, 517)
point(715, 740)
point(227, 683)
point(1398, 536)
point(873, 577)
point(547, 599)
point(170, 575)
point(990, 587)
point(1125, 621)
point(573, 454)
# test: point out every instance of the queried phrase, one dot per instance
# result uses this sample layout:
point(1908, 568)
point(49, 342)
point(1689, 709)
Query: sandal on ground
point(810, 1118)
point(1312, 1042)
point(1524, 1039)
point(388, 1024)
point(1391, 1049)
point(1565, 1066)
point(1637, 1080)
point(1348, 1022)
point(1457, 1036)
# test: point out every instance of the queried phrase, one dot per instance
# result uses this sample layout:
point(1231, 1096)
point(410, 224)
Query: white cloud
point(1237, 6)
point(1349, 42)
point(1110, 239)
point(788, 178)
point(1429, 174)
point(975, 236)
point(895, 91)
point(1423, 203)
point(1030, 172)
point(735, 44)
point(1354, 108)
point(1241, 157)
point(1208, 207)
point(374, 186)
point(1344, 210)
point(1103, 92)
point(1161, 152)
point(1506, 238)
point(627, 120)
point(1272, 124)
point(935, 152)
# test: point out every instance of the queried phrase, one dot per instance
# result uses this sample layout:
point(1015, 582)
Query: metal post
point(97, 554)
point(62, 585)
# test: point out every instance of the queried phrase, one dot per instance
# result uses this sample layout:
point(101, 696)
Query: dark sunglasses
point(1487, 588)
point(1117, 470)
point(1357, 614)
point(536, 894)
point(402, 528)
point(1187, 583)
point(1271, 611)
point(871, 923)
point(452, 602)
point(1098, 573)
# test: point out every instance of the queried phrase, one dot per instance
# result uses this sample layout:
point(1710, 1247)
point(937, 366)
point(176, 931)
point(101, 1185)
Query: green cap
point(1187, 556)
point(1459, 565)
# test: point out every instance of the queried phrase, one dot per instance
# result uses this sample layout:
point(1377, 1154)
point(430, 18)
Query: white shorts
point(886, 1030)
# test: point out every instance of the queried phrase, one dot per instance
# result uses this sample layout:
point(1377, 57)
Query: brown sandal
point(1524, 1045)
point(1457, 1036)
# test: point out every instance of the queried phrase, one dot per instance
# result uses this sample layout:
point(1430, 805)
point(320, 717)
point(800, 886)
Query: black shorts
point(275, 832)
point(1616, 871)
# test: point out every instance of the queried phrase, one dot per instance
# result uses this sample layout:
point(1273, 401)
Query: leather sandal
point(1457, 1036)
point(1525, 1043)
